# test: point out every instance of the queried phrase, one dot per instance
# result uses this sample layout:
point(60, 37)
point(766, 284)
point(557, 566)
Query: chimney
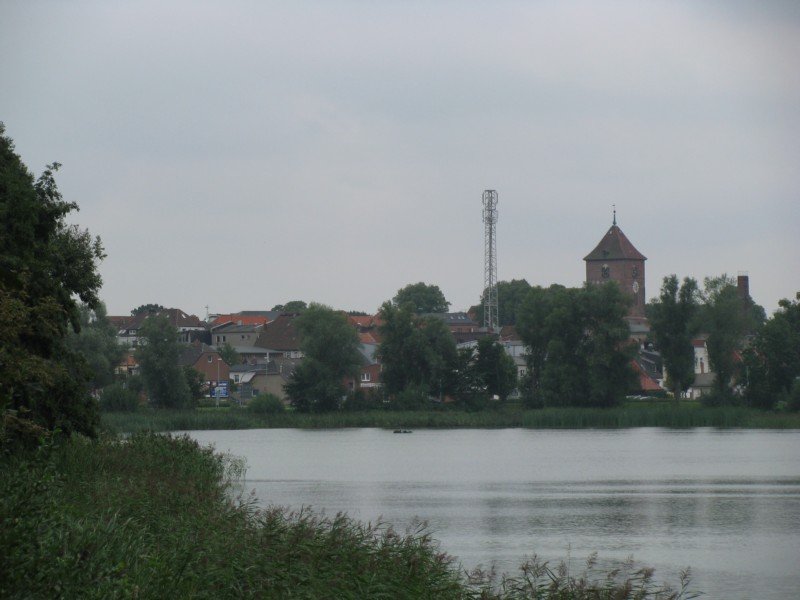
point(743, 286)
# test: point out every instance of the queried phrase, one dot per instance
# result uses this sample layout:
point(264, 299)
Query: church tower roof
point(615, 246)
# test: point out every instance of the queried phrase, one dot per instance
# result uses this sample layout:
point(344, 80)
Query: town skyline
point(238, 156)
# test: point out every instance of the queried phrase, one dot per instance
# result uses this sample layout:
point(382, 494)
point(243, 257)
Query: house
point(207, 361)
point(280, 337)
point(241, 338)
point(245, 317)
point(369, 374)
point(190, 328)
point(461, 325)
point(250, 380)
point(128, 365)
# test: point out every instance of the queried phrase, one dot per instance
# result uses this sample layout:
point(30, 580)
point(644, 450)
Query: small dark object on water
point(402, 431)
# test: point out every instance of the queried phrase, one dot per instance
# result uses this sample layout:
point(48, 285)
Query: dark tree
point(164, 379)
point(726, 323)
point(772, 363)
point(674, 324)
point(415, 351)
point(229, 354)
point(578, 341)
point(46, 268)
point(293, 306)
point(148, 309)
point(330, 346)
point(494, 368)
point(510, 296)
point(97, 343)
point(422, 297)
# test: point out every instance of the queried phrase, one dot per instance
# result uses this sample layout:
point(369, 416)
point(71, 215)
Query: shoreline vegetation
point(657, 414)
point(132, 518)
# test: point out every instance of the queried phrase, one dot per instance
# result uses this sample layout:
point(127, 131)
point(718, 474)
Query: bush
point(117, 398)
point(794, 396)
point(266, 404)
point(359, 400)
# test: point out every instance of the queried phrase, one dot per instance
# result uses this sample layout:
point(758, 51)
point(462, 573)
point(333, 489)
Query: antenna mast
point(491, 320)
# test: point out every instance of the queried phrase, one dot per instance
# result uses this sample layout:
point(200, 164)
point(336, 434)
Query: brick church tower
point(616, 259)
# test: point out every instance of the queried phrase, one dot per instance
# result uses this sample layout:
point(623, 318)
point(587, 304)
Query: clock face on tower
point(635, 287)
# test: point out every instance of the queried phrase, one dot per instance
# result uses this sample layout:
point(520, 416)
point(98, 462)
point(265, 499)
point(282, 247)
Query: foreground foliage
point(154, 515)
point(46, 267)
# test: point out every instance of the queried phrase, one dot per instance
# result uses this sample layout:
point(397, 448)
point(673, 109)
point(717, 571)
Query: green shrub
point(266, 404)
point(118, 398)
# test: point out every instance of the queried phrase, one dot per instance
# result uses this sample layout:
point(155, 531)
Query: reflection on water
point(725, 503)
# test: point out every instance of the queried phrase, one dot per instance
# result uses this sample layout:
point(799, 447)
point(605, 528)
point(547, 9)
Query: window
point(210, 358)
point(366, 377)
point(606, 272)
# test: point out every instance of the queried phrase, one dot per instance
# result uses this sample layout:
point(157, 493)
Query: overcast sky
point(238, 154)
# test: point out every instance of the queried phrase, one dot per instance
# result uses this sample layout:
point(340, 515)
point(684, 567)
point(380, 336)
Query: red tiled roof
point(646, 382)
point(240, 320)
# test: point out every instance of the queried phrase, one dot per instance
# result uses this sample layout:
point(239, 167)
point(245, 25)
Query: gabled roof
point(190, 354)
point(615, 246)
point(280, 334)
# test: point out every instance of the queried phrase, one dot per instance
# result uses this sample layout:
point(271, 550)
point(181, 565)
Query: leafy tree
point(149, 309)
point(579, 354)
point(117, 398)
point(416, 351)
point(229, 354)
point(293, 306)
point(674, 323)
point(164, 379)
point(494, 368)
point(195, 381)
point(723, 318)
point(46, 267)
point(510, 296)
point(772, 362)
point(330, 346)
point(422, 297)
point(97, 343)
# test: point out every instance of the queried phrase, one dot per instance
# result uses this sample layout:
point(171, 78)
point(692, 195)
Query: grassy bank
point(632, 415)
point(153, 516)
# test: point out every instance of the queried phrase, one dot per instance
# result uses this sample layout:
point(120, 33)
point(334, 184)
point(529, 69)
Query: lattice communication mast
point(491, 320)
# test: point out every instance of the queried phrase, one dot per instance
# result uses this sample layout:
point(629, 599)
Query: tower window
point(606, 272)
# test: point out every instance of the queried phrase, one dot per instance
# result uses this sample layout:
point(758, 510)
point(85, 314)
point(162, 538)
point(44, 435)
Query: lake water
point(726, 503)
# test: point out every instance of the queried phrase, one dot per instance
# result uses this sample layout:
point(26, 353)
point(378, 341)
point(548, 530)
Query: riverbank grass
point(154, 515)
point(681, 416)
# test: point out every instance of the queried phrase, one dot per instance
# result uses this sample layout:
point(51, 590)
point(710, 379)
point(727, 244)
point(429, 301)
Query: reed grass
point(632, 415)
point(154, 516)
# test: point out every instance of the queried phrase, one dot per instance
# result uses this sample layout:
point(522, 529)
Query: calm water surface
point(726, 503)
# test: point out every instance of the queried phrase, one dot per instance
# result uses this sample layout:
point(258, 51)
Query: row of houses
point(268, 347)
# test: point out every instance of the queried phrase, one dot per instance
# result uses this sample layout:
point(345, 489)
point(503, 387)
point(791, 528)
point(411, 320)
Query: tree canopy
point(331, 348)
point(415, 351)
point(510, 296)
point(422, 297)
point(164, 379)
point(673, 319)
point(46, 268)
point(772, 363)
point(148, 309)
point(97, 343)
point(292, 306)
point(577, 337)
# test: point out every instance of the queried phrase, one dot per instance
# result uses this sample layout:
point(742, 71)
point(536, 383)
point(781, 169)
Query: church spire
point(614, 222)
